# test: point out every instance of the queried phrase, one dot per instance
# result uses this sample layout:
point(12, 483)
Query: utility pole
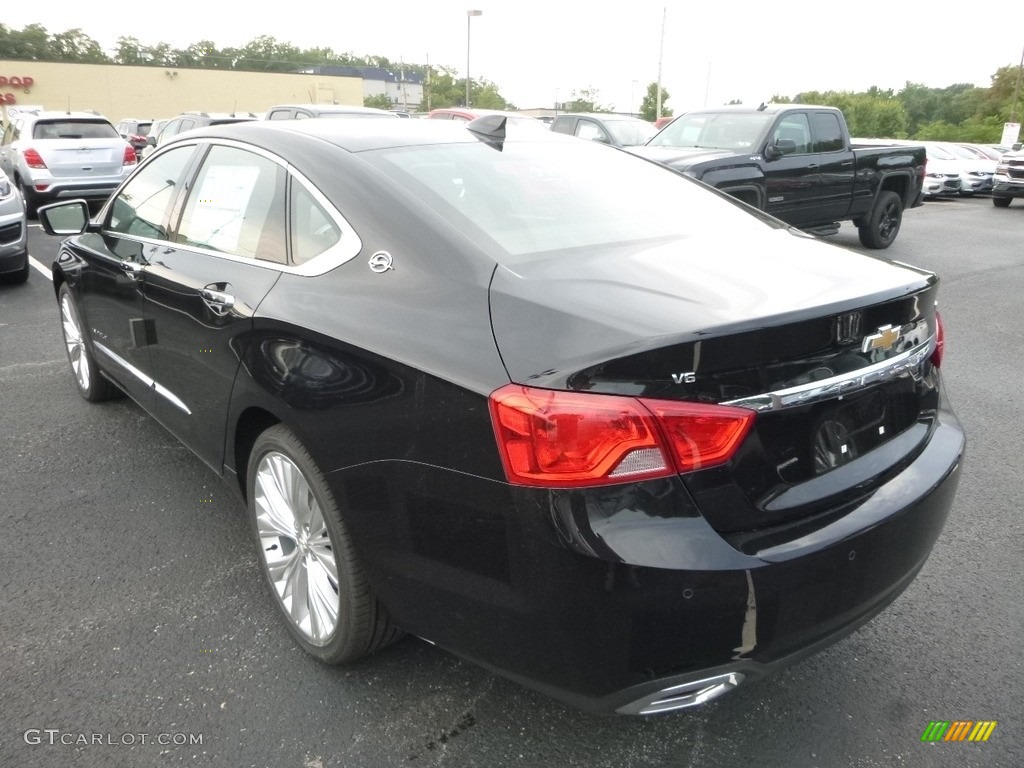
point(1016, 89)
point(661, 54)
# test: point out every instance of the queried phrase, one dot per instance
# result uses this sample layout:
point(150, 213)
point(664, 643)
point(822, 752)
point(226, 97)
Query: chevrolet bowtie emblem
point(885, 338)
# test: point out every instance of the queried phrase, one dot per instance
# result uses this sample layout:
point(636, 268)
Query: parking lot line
point(38, 265)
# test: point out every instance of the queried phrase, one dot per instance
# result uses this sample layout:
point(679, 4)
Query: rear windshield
point(74, 129)
point(552, 195)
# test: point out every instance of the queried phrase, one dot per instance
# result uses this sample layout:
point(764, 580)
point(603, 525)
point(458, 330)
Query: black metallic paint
point(597, 596)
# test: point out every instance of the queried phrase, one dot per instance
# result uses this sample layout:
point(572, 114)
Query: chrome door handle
point(132, 269)
point(219, 301)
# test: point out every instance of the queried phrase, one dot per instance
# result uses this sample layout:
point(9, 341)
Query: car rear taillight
point(701, 435)
point(572, 439)
point(940, 340)
point(32, 158)
point(130, 158)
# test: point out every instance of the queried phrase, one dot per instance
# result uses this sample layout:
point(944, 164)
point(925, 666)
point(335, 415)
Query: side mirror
point(779, 148)
point(1016, 147)
point(151, 140)
point(67, 218)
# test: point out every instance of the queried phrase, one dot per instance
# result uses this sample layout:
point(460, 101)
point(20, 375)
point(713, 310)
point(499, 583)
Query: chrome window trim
point(348, 247)
point(904, 364)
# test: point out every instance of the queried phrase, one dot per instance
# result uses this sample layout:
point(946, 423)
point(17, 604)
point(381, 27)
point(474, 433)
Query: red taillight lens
point(130, 158)
point(572, 439)
point(700, 435)
point(32, 158)
point(940, 340)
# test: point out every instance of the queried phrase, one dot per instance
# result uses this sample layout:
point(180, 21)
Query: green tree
point(74, 45)
point(29, 44)
point(585, 100)
point(129, 51)
point(378, 101)
point(649, 105)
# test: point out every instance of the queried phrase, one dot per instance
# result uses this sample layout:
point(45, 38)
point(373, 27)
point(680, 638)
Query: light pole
point(469, 19)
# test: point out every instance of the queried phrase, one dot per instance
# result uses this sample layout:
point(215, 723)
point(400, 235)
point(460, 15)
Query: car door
point(202, 289)
point(106, 270)
point(792, 181)
point(835, 162)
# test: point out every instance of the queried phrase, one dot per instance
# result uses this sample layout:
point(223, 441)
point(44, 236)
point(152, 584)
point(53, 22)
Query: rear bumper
point(605, 599)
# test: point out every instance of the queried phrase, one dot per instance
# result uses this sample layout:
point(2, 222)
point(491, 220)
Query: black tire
point(31, 203)
point(1001, 202)
point(18, 276)
point(90, 382)
point(883, 223)
point(297, 556)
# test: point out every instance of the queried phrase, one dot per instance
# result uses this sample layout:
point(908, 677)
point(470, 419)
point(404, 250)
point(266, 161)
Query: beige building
point(118, 92)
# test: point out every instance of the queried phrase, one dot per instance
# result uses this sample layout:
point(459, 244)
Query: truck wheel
point(1001, 202)
point(883, 223)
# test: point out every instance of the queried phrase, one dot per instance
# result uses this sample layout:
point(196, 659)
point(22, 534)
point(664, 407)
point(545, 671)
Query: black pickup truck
point(797, 163)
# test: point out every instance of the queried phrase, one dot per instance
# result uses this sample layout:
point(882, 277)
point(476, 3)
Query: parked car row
point(954, 169)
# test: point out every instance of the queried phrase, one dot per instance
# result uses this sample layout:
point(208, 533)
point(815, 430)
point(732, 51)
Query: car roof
point(57, 115)
point(602, 116)
point(770, 109)
point(360, 135)
point(334, 109)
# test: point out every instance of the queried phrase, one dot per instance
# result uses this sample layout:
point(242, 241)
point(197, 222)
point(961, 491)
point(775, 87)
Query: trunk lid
point(830, 347)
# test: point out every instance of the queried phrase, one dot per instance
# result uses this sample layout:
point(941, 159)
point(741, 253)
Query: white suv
point(59, 155)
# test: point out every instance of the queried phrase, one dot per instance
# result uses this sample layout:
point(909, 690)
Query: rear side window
point(828, 134)
point(74, 129)
point(313, 230)
point(237, 206)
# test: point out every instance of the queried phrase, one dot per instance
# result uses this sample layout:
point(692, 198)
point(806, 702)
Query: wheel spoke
point(280, 566)
point(324, 554)
point(274, 512)
point(323, 600)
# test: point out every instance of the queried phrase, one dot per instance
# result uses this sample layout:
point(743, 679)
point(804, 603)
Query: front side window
point(237, 206)
point(796, 129)
point(588, 129)
point(142, 206)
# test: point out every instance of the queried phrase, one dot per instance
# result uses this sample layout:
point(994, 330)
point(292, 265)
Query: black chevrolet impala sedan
point(545, 404)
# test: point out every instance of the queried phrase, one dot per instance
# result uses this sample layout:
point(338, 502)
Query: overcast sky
point(536, 52)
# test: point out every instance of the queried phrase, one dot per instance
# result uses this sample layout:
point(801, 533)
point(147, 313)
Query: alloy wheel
point(296, 547)
point(74, 342)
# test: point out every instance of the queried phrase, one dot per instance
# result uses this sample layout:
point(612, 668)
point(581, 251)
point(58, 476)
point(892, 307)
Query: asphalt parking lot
point(136, 629)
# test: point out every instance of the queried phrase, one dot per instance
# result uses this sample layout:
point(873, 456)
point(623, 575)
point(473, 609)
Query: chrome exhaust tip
point(682, 696)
